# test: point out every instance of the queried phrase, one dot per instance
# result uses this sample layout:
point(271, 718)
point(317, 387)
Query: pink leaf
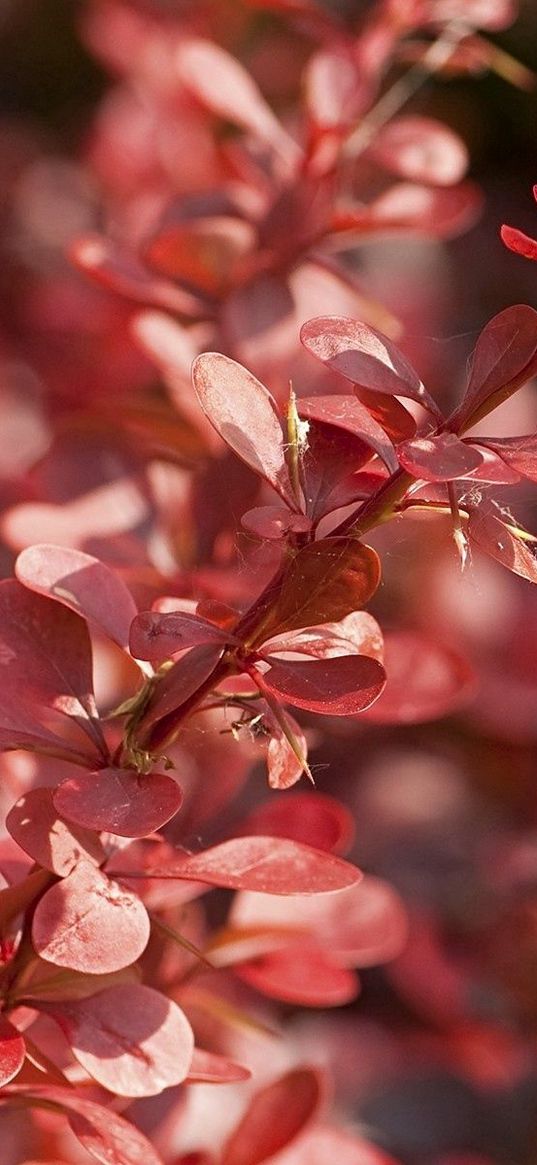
point(45, 652)
point(421, 150)
point(222, 84)
point(347, 413)
point(272, 523)
point(302, 975)
point(129, 1038)
point(265, 864)
point(119, 801)
point(89, 923)
point(333, 687)
point(436, 212)
point(438, 458)
point(313, 818)
point(520, 453)
point(504, 358)
point(337, 89)
point(356, 634)
point(494, 537)
point(389, 413)
point(81, 583)
point(205, 253)
point(105, 1134)
point(35, 825)
point(275, 1115)
point(12, 1051)
point(365, 357)
point(518, 242)
point(244, 414)
point(119, 271)
point(425, 680)
point(155, 636)
point(286, 763)
point(210, 1068)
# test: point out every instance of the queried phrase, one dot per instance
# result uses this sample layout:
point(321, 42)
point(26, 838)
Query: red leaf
point(389, 413)
point(205, 252)
point(313, 818)
point(519, 453)
point(178, 684)
point(35, 825)
point(244, 414)
point(438, 458)
point(275, 1115)
point(266, 864)
point(347, 413)
point(421, 150)
point(504, 358)
point(436, 212)
point(302, 975)
point(81, 583)
point(105, 1134)
point(119, 271)
point(272, 523)
point(493, 536)
point(89, 923)
point(337, 89)
point(356, 634)
point(155, 636)
point(12, 1051)
point(119, 801)
point(323, 583)
point(333, 687)
point(285, 764)
point(365, 357)
point(45, 652)
point(518, 242)
point(130, 1038)
point(208, 1067)
point(494, 468)
point(425, 680)
point(222, 84)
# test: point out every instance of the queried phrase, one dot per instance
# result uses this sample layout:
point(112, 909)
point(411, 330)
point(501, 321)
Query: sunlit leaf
point(275, 1115)
point(493, 537)
point(119, 801)
point(35, 825)
point(342, 686)
point(504, 358)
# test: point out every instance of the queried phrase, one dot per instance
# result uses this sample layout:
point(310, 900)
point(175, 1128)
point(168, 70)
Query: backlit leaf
point(244, 414)
point(130, 1038)
point(156, 636)
point(313, 818)
point(421, 149)
point(504, 358)
point(12, 1051)
point(365, 357)
point(425, 680)
point(342, 686)
point(88, 922)
point(119, 801)
point(438, 458)
point(121, 272)
point(346, 412)
point(303, 975)
point(275, 1115)
point(492, 535)
point(35, 825)
point(81, 583)
point(520, 453)
point(210, 1068)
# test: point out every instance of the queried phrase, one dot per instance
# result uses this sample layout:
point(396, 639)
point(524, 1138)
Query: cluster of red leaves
point(115, 983)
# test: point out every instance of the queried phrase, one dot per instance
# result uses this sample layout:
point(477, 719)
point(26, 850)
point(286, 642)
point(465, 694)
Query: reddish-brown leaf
point(244, 414)
point(105, 1134)
point(156, 636)
point(35, 825)
point(504, 358)
point(425, 680)
point(130, 1038)
point(118, 801)
point(342, 686)
point(12, 1051)
point(421, 149)
point(210, 1068)
point(178, 684)
point(493, 536)
point(205, 252)
point(519, 453)
point(365, 357)
point(347, 413)
point(323, 583)
point(438, 458)
point(275, 1115)
point(89, 923)
point(265, 864)
point(120, 271)
point(81, 583)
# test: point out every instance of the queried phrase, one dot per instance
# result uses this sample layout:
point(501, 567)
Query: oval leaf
point(81, 583)
point(274, 1117)
point(422, 150)
point(493, 536)
point(244, 414)
point(365, 357)
point(425, 680)
point(313, 818)
point(439, 458)
point(504, 358)
point(265, 864)
point(119, 801)
point(323, 583)
point(518, 242)
point(342, 686)
point(346, 412)
point(131, 1039)
point(35, 825)
point(156, 636)
point(89, 923)
point(209, 1068)
point(303, 975)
